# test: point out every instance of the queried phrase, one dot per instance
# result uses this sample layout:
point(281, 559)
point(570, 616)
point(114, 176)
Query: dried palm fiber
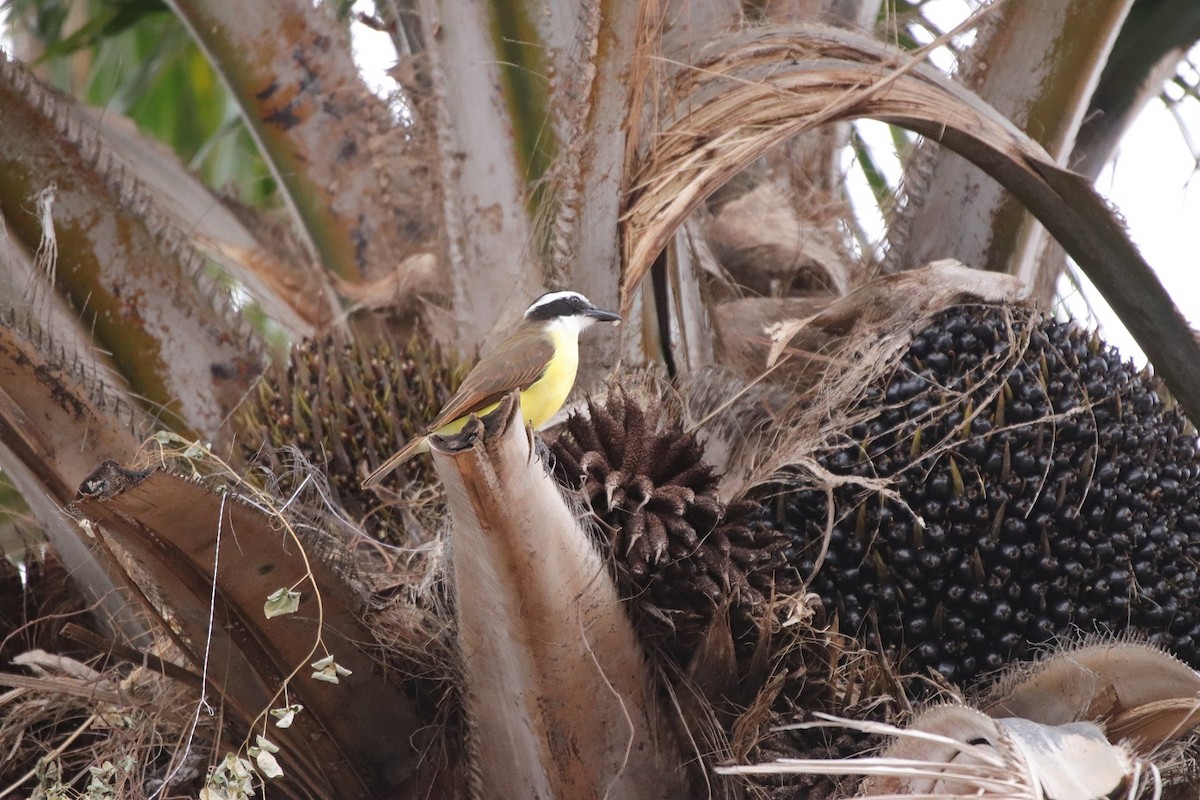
point(66, 721)
point(49, 694)
point(1090, 716)
point(1007, 479)
point(777, 241)
point(346, 408)
point(680, 554)
point(36, 600)
point(815, 669)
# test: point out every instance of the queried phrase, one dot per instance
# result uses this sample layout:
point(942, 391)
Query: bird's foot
point(542, 452)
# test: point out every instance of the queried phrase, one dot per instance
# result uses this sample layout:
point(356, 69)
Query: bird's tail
point(417, 445)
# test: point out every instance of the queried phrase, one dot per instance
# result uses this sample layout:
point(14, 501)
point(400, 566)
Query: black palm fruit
point(1038, 487)
point(346, 408)
point(679, 552)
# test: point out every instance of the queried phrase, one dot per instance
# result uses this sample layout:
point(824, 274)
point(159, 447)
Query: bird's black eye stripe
point(562, 307)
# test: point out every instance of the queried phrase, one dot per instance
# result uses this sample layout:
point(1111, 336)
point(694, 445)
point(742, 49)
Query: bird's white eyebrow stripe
point(551, 297)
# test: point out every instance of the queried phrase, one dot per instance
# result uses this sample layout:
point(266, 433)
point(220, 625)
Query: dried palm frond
point(269, 610)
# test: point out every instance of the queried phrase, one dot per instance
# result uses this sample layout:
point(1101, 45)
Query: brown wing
point(516, 363)
point(408, 451)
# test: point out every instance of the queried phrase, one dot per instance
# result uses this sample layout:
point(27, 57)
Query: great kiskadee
point(539, 358)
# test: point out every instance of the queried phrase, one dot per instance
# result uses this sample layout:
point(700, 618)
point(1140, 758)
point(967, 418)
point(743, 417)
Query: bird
point(540, 358)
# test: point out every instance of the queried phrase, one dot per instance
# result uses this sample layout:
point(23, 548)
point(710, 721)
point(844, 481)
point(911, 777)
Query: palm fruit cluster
point(680, 554)
point(1037, 487)
point(346, 408)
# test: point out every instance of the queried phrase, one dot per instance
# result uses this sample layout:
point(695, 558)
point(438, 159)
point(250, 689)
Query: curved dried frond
point(767, 85)
point(1042, 82)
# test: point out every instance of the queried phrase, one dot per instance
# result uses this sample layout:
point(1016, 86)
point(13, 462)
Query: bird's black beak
point(600, 315)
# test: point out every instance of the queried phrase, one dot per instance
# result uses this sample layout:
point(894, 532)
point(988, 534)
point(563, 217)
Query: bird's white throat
point(571, 326)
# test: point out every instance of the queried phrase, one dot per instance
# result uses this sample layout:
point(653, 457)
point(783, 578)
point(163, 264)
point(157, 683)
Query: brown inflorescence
point(345, 408)
point(679, 552)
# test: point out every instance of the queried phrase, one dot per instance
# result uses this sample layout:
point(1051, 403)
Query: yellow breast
point(545, 397)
